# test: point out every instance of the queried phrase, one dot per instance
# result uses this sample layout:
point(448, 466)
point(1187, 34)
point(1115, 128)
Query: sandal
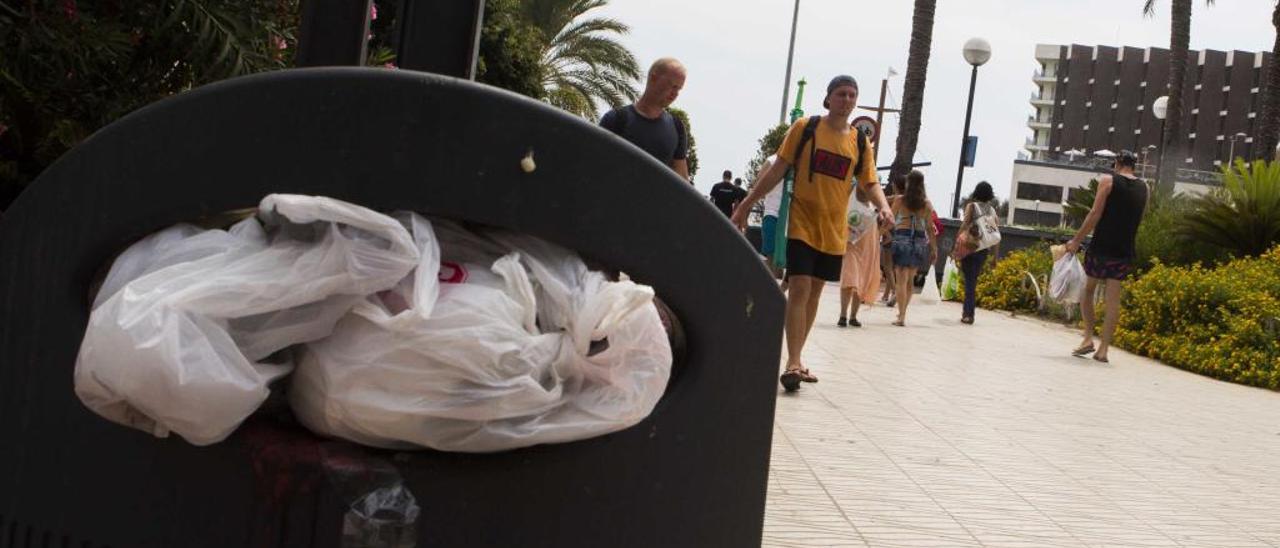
point(855, 323)
point(899, 323)
point(843, 321)
point(806, 376)
point(1102, 359)
point(1083, 350)
point(791, 380)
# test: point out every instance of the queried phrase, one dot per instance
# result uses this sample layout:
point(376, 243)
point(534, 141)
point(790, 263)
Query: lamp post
point(1160, 108)
point(1146, 160)
point(791, 50)
point(1231, 158)
point(1038, 213)
point(976, 52)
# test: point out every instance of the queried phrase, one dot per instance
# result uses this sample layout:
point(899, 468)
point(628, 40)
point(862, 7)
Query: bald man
point(648, 125)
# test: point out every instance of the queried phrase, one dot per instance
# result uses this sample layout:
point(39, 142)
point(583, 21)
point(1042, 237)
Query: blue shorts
point(768, 231)
point(910, 249)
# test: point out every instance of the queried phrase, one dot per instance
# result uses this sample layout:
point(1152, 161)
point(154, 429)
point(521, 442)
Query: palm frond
point(583, 63)
point(1244, 215)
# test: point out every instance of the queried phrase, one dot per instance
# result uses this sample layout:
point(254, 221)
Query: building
point(1094, 99)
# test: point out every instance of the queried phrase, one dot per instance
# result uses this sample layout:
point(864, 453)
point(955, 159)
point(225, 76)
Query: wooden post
point(880, 110)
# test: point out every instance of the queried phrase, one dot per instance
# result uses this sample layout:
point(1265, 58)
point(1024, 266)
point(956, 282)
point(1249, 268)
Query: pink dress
point(860, 268)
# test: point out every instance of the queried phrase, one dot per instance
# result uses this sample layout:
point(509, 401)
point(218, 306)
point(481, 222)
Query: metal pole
point(1160, 160)
point(791, 50)
point(1231, 156)
point(884, 90)
point(955, 202)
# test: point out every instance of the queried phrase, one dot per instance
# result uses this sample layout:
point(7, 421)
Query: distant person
point(1113, 220)
point(828, 157)
point(769, 225)
point(859, 272)
point(897, 187)
point(979, 206)
point(648, 125)
point(726, 195)
point(914, 245)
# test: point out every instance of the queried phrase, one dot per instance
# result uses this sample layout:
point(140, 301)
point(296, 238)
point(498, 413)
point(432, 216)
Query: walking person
point(914, 246)
point(828, 156)
point(976, 211)
point(726, 195)
point(648, 125)
point(769, 225)
point(896, 184)
point(859, 272)
point(1113, 220)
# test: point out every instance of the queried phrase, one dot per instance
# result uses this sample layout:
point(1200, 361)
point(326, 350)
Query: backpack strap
point(862, 148)
point(810, 128)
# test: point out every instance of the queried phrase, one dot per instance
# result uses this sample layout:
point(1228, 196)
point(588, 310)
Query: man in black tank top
point(1113, 220)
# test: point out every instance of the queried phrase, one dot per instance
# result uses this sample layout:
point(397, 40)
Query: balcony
point(1042, 77)
point(1038, 99)
point(1032, 145)
point(1035, 122)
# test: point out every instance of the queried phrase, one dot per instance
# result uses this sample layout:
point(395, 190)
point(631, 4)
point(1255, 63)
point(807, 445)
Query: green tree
point(913, 86)
point(582, 61)
point(70, 67)
point(510, 50)
point(1179, 44)
point(767, 146)
point(692, 157)
point(1269, 120)
point(1243, 216)
point(1080, 202)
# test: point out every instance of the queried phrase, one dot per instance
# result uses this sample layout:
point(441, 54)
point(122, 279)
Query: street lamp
point(976, 52)
point(791, 50)
point(1038, 213)
point(1231, 158)
point(1160, 108)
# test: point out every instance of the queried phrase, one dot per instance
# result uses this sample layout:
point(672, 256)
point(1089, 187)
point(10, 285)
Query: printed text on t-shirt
point(831, 164)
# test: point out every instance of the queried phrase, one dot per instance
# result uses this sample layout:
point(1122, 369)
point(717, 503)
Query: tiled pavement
point(940, 434)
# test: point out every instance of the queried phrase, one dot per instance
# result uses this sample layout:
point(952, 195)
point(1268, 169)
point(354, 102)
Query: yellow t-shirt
point(819, 205)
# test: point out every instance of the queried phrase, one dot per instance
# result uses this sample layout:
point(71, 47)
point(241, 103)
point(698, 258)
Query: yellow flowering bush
point(1223, 322)
point(1004, 285)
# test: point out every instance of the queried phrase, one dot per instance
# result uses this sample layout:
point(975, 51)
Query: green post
point(788, 187)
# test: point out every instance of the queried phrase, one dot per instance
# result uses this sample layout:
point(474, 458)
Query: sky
point(736, 55)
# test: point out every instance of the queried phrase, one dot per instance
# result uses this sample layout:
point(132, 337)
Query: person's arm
point(680, 158)
point(933, 242)
point(871, 183)
point(1095, 213)
point(767, 181)
point(681, 167)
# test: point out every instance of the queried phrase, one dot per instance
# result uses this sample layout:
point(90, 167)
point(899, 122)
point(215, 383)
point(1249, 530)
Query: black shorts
point(804, 260)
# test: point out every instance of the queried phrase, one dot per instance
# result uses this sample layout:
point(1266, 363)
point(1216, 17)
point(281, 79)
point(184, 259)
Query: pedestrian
point(859, 272)
point(828, 156)
point(1113, 220)
point(977, 211)
point(769, 224)
point(896, 188)
point(726, 195)
point(914, 246)
point(648, 125)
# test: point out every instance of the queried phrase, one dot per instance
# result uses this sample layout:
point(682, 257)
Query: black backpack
point(811, 127)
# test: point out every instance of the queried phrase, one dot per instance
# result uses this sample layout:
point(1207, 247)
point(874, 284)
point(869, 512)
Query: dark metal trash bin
point(692, 474)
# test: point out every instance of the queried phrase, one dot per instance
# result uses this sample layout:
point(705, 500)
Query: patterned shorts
point(1107, 268)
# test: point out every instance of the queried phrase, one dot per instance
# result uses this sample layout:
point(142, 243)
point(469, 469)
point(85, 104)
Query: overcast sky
point(736, 53)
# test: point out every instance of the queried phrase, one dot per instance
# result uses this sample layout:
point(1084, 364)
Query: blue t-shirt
point(663, 138)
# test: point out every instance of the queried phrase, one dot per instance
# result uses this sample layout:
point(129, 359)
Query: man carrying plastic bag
point(1066, 283)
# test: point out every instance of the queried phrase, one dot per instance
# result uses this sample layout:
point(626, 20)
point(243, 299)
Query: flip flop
point(1102, 359)
point(806, 376)
point(1082, 350)
point(791, 380)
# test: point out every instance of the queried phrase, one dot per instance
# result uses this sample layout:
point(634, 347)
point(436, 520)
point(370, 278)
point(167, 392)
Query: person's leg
point(796, 320)
point(1086, 311)
point(971, 266)
point(890, 280)
point(853, 312)
point(846, 295)
point(905, 276)
point(1112, 296)
point(811, 307)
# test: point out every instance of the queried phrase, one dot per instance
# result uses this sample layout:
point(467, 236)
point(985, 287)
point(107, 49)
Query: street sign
point(970, 150)
point(867, 125)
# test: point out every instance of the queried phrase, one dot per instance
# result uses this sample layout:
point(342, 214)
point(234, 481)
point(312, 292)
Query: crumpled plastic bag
point(183, 324)
point(861, 218)
point(929, 294)
point(495, 341)
point(1067, 282)
point(951, 282)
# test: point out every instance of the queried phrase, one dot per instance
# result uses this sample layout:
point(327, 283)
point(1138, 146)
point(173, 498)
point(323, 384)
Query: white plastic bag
point(930, 294)
point(861, 218)
point(181, 328)
point(496, 341)
point(1067, 282)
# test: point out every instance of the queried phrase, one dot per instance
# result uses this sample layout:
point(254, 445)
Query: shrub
point(1243, 216)
point(1004, 285)
point(1159, 241)
point(1222, 322)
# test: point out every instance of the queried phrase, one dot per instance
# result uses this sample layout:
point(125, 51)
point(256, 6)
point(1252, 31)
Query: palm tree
point(913, 86)
point(1244, 216)
point(1179, 43)
point(583, 63)
point(1269, 125)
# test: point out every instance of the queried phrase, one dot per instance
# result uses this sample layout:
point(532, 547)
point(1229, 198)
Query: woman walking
point(859, 271)
point(976, 212)
point(1113, 220)
point(913, 245)
point(895, 189)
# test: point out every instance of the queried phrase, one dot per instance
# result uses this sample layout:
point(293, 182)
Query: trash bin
point(692, 474)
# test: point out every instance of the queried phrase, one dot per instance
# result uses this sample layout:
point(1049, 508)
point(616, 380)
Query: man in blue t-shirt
point(648, 125)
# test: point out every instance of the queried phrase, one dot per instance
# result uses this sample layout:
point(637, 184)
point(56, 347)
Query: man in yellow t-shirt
point(817, 229)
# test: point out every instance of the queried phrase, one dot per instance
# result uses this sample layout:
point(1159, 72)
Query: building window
point(1030, 217)
point(1035, 191)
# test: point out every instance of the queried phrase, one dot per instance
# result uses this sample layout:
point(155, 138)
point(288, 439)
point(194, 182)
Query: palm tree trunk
point(1269, 125)
point(1179, 42)
point(913, 86)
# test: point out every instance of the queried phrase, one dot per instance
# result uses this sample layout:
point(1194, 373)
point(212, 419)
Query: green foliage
point(582, 61)
point(1242, 217)
point(766, 146)
point(1078, 206)
point(1159, 241)
point(1223, 322)
point(693, 146)
point(1005, 285)
point(70, 67)
point(511, 50)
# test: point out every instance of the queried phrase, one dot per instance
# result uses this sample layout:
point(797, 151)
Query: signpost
point(788, 187)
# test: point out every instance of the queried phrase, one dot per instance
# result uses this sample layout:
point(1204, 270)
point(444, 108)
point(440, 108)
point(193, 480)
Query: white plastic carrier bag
point(1067, 282)
point(183, 324)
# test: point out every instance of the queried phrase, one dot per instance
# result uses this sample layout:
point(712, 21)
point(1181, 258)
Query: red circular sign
point(866, 125)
